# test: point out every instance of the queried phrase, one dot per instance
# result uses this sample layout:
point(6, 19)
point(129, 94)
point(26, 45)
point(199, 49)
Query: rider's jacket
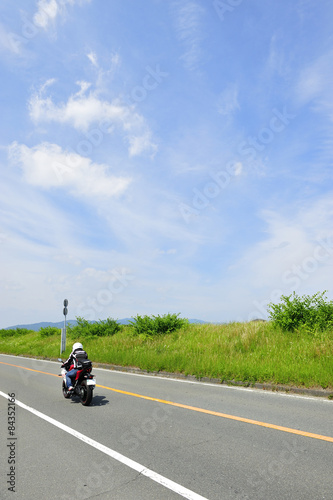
point(74, 357)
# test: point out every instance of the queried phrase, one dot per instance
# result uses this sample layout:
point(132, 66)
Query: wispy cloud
point(316, 80)
point(189, 31)
point(287, 256)
point(227, 103)
point(278, 62)
point(313, 90)
point(9, 42)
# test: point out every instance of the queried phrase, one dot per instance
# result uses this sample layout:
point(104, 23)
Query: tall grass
point(247, 352)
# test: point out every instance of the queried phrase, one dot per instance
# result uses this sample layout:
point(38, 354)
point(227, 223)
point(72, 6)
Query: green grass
point(247, 352)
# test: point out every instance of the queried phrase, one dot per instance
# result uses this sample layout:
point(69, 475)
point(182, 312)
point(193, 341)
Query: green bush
point(13, 332)
point(7, 333)
point(101, 328)
point(150, 326)
point(312, 313)
point(48, 331)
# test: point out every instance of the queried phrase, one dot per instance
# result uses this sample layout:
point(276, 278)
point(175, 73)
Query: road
point(146, 437)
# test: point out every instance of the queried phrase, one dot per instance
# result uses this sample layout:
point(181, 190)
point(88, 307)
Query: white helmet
point(77, 345)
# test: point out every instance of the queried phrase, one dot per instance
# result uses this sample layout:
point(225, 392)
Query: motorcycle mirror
point(59, 359)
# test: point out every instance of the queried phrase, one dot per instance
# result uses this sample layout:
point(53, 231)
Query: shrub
point(150, 326)
point(309, 312)
point(100, 328)
point(48, 331)
point(13, 332)
point(7, 333)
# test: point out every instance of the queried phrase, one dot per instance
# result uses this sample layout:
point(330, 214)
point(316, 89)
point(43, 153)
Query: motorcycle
point(83, 385)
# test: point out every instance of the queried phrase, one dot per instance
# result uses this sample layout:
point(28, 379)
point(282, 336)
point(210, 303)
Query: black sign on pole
point(63, 332)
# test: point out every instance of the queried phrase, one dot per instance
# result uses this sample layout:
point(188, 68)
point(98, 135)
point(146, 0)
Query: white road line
point(167, 483)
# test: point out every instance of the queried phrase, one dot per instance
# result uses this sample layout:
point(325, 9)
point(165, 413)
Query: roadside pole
point(63, 330)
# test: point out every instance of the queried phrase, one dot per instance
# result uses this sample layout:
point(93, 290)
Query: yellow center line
point(201, 410)
point(30, 369)
point(225, 415)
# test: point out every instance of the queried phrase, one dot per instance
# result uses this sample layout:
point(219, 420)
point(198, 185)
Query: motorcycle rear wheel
point(65, 391)
point(86, 394)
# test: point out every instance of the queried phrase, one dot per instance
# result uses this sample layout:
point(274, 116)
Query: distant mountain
point(37, 326)
point(199, 321)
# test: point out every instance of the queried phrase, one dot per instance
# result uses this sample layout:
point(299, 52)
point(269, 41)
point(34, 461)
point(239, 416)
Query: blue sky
point(164, 156)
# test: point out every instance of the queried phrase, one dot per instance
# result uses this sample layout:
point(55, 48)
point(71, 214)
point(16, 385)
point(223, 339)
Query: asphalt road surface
point(151, 438)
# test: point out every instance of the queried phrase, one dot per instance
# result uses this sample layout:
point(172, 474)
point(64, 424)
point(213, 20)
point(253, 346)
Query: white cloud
point(141, 143)
point(93, 58)
point(47, 165)
point(45, 16)
point(84, 86)
point(83, 111)
point(80, 111)
point(47, 84)
point(48, 11)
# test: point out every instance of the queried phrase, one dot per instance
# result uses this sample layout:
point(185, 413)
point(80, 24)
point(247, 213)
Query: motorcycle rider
point(71, 365)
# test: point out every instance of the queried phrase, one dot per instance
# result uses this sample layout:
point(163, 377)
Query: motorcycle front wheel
point(86, 394)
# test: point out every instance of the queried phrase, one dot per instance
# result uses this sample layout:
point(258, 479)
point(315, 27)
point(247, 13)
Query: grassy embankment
point(248, 352)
